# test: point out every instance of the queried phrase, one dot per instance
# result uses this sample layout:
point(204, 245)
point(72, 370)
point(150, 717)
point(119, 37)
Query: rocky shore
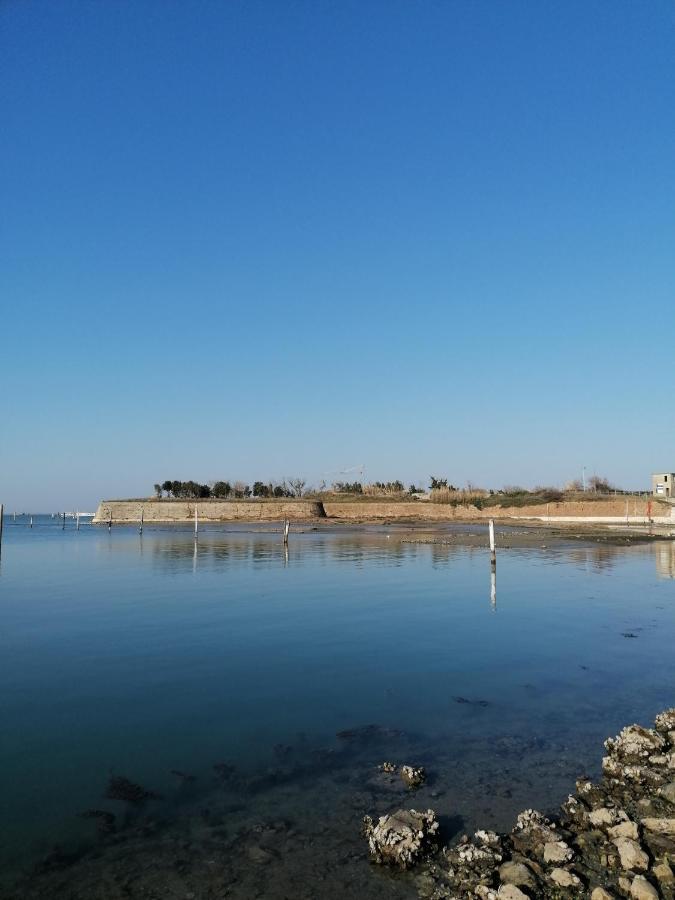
point(612, 839)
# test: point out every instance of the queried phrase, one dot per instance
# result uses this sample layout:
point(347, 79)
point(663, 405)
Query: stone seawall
point(167, 511)
point(609, 510)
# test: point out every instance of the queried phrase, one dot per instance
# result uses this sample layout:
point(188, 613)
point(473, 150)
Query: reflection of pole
point(493, 587)
point(194, 556)
point(285, 555)
point(493, 552)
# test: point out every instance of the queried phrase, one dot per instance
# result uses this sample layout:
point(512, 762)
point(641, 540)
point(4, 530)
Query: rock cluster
point(402, 838)
point(611, 840)
point(411, 776)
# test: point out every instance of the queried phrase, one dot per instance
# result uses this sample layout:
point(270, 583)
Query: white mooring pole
point(31, 521)
point(493, 552)
point(287, 528)
point(77, 520)
point(196, 522)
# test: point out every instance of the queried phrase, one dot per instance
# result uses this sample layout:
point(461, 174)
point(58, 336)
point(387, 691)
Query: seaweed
point(185, 777)
point(105, 821)
point(121, 788)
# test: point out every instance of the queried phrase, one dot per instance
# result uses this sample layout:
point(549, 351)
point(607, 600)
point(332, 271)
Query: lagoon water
point(138, 655)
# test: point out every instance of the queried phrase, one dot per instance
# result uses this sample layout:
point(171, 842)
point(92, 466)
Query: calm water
point(139, 655)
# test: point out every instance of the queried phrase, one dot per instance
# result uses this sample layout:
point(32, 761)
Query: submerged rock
point(413, 776)
point(401, 838)
point(121, 788)
point(105, 821)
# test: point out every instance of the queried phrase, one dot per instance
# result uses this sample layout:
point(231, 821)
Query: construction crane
point(361, 469)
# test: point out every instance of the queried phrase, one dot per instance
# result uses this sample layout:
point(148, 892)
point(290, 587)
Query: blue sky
point(250, 240)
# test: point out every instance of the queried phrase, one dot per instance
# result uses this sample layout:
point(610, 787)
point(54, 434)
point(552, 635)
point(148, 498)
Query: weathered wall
point(611, 509)
point(269, 510)
point(207, 510)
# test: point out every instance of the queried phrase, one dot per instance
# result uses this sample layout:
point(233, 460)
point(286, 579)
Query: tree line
point(224, 490)
point(297, 487)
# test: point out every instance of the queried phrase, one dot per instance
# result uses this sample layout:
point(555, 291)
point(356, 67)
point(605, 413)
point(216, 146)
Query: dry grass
point(458, 497)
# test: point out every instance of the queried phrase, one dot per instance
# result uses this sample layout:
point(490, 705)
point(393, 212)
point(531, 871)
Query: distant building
point(662, 485)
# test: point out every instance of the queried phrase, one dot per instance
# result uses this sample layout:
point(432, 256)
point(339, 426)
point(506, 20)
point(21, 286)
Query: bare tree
point(574, 485)
point(600, 484)
point(297, 486)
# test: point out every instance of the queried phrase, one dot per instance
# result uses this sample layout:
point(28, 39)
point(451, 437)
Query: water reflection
point(665, 559)
point(181, 552)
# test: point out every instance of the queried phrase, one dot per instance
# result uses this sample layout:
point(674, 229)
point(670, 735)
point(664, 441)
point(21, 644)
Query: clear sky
point(249, 240)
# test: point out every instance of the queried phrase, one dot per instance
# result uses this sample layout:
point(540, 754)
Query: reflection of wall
point(665, 559)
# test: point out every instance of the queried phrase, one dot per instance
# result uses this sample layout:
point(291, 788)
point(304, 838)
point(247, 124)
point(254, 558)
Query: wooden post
point(493, 552)
point(287, 528)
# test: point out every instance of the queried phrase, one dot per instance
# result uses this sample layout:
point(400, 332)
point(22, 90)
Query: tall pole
point(140, 524)
point(196, 522)
point(63, 526)
point(583, 478)
point(287, 528)
point(31, 521)
point(493, 551)
point(77, 520)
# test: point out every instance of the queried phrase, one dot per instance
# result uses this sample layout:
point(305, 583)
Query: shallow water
point(139, 655)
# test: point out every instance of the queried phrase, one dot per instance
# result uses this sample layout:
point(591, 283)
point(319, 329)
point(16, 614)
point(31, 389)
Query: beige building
point(662, 485)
